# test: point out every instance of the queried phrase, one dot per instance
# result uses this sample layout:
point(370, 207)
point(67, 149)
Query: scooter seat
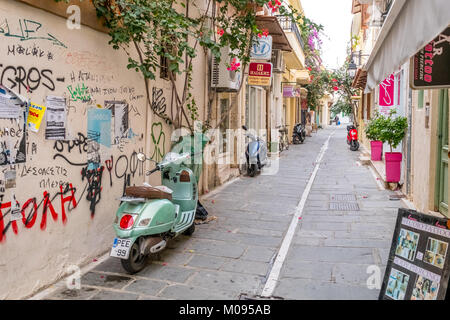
point(147, 193)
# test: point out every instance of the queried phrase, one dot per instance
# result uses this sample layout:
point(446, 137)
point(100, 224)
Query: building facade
point(385, 75)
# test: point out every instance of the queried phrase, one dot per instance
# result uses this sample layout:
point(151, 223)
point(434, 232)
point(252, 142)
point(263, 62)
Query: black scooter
point(299, 133)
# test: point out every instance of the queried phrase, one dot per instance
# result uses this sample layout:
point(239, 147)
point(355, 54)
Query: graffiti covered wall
point(63, 166)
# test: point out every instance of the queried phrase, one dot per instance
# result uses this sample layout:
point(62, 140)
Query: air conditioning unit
point(278, 63)
point(224, 80)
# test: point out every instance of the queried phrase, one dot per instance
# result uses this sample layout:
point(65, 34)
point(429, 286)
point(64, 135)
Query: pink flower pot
point(376, 150)
point(393, 166)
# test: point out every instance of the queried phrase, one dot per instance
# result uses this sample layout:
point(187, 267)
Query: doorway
point(441, 196)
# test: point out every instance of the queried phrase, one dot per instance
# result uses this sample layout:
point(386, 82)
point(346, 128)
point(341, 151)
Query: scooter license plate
point(121, 248)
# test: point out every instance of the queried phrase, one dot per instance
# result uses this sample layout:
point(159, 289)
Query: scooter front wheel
point(136, 261)
point(190, 231)
point(252, 170)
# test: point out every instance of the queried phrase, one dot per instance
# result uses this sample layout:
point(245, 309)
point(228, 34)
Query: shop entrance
point(441, 196)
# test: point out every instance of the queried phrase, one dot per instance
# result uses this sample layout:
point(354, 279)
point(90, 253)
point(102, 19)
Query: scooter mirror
point(141, 157)
point(245, 128)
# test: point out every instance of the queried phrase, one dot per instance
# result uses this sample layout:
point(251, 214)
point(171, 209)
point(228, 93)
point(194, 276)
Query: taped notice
point(56, 118)
point(35, 116)
point(10, 105)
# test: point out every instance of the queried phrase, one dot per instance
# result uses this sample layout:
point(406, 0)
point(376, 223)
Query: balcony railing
point(288, 24)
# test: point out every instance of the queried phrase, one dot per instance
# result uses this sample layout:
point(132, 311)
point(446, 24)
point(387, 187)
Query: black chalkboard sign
point(418, 266)
point(430, 66)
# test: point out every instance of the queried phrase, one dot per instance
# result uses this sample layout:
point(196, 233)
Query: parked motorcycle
point(352, 137)
point(149, 217)
point(255, 153)
point(299, 134)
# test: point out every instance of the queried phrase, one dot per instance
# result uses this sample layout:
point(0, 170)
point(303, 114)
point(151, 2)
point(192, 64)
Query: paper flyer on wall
point(56, 115)
point(35, 115)
point(10, 104)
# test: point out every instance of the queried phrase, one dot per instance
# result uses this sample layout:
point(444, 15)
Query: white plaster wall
point(34, 258)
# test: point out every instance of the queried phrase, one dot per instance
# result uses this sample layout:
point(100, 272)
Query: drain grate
point(344, 206)
point(343, 197)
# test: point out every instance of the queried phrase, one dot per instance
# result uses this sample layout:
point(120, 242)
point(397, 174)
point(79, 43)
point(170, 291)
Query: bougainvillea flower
point(334, 80)
point(335, 88)
point(265, 32)
point(234, 65)
point(309, 68)
point(220, 32)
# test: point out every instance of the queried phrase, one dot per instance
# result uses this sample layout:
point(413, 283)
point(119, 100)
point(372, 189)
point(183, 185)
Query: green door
point(441, 199)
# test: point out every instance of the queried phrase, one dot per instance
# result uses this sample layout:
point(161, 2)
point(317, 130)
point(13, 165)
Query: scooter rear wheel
point(354, 145)
point(136, 261)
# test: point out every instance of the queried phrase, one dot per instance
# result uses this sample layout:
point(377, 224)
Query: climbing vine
point(169, 33)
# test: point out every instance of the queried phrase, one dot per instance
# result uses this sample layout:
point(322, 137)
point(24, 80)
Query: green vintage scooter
point(149, 217)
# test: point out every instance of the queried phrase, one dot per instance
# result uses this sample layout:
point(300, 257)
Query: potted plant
point(373, 133)
point(393, 132)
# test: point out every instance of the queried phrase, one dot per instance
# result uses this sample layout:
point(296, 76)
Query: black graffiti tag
point(24, 80)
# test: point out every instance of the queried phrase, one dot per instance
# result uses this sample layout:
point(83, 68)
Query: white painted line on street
point(282, 253)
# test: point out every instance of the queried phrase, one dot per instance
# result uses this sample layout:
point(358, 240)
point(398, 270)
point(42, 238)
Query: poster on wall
point(431, 64)
point(119, 113)
point(56, 118)
point(13, 133)
point(35, 115)
point(99, 134)
point(418, 265)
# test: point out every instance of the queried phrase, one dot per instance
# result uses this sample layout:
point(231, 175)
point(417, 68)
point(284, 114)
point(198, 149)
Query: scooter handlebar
point(152, 171)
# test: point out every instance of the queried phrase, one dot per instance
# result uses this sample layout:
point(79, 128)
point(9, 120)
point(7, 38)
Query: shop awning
point(360, 80)
point(409, 26)
point(279, 39)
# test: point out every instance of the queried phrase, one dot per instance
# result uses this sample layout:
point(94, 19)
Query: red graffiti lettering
point(2, 224)
point(47, 205)
point(70, 198)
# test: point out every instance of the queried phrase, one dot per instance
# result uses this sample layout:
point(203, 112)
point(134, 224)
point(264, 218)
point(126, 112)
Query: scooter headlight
point(144, 222)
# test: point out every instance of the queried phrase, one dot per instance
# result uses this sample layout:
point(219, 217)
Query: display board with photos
point(418, 266)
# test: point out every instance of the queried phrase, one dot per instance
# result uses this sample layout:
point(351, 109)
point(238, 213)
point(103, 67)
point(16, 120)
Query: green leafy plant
point(175, 31)
point(394, 129)
point(375, 127)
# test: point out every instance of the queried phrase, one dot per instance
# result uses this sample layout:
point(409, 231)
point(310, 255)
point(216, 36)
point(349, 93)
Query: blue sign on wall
point(262, 48)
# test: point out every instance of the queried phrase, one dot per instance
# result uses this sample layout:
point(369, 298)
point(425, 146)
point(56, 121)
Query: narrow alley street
point(346, 226)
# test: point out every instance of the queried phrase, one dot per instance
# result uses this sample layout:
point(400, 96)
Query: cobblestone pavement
point(233, 254)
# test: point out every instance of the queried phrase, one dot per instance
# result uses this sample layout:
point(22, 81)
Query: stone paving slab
point(328, 258)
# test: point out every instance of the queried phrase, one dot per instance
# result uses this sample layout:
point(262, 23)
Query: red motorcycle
point(352, 137)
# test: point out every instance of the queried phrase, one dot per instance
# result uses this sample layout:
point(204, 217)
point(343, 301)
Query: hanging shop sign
point(259, 74)
point(290, 91)
point(429, 67)
point(418, 266)
point(386, 95)
point(262, 48)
